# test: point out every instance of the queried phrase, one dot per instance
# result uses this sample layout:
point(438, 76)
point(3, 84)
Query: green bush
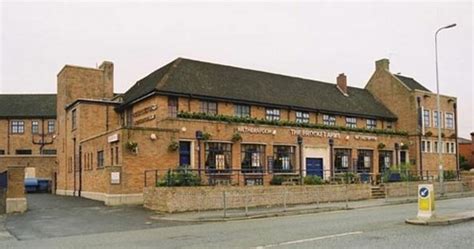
point(464, 164)
point(313, 180)
point(450, 175)
point(277, 180)
point(179, 178)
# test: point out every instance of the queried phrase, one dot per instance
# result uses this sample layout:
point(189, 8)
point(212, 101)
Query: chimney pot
point(342, 83)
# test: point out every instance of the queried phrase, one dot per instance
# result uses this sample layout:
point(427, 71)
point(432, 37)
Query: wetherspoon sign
point(255, 130)
point(314, 133)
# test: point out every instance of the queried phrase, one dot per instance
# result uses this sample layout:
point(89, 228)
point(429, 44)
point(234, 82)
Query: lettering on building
point(144, 111)
point(255, 130)
point(365, 138)
point(314, 133)
point(146, 119)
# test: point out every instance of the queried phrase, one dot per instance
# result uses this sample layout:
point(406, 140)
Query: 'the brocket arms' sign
point(255, 130)
point(314, 133)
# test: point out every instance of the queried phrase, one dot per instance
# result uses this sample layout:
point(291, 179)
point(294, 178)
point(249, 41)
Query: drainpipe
point(8, 137)
point(456, 134)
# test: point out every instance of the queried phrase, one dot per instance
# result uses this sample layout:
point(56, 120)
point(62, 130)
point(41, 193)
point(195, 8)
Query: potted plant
point(404, 147)
point(236, 137)
point(132, 146)
point(381, 146)
point(428, 134)
point(206, 136)
point(173, 146)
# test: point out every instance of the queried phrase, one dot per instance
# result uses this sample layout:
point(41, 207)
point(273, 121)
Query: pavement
point(441, 220)
point(275, 211)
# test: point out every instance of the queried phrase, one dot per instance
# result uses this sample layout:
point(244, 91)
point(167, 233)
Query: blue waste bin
point(44, 185)
point(31, 185)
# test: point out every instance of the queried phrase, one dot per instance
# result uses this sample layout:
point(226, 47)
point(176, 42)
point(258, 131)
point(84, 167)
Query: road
point(377, 227)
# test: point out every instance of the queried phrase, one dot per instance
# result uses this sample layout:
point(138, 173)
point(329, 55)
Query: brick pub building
point(239, 126)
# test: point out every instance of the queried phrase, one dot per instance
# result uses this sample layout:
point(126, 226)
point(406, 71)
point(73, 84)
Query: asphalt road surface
point(377, 227)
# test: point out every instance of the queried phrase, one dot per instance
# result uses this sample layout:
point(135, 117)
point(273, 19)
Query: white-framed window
point(423, 146)
point(436, 119)
point(371, 123)
point(449, 120)
point(302, 117)
point(272, 114)
point(17, 127)
point(51, 126)
point(242, 111)
point(329, 120)
point(351, 122)
point(426, 118)
point(34, 127)
point(450, 148)
point(428, 146)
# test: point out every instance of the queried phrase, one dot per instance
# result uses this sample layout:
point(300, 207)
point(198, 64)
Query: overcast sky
point(315, 40)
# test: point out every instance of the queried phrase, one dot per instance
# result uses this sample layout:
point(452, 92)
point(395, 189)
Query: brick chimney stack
point(342, 83)
point(382, 64)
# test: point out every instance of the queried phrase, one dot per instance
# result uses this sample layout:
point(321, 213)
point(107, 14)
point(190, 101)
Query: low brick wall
point(401, 189)
point(181, 199)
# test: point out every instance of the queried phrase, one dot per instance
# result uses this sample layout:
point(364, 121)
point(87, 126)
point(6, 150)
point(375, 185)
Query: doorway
point(314, 167)
point(184, 153)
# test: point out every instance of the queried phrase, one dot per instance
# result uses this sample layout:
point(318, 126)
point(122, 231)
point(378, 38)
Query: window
point(242, 111)
point(34, 127)
point(423, 146)
point(272, 114)
point(302, 117)
point(218, 156)
point(112, 156)
point(100, 159)
point(48, 152)
point(351, 122)
point(371, 123)
point(329, 120)
point(435, 147)
point(436, 120)
point(252, 157)
point(73, 119)
point(426, 118)
point(341, 159)
point(284, 158)
point(450, 148)
point(23, 152)
point(173, 106)
point(208, 107)
point(449, 120)
point(2, 152)
point(389, 125)
point(385, 160)
point(17, 127)
point(364, 161)
point(116, 155)
point(428, 146)
point(51, 126)
point(129, 117)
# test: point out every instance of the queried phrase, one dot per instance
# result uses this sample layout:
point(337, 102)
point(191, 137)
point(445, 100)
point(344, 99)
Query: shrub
point(173, 146)
point(178, 178)
point(450, 175)
point(464, 164)
point(277, 180)
point(313, 180)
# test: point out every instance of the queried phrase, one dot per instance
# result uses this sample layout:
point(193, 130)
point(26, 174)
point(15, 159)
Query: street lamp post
point(441, 171)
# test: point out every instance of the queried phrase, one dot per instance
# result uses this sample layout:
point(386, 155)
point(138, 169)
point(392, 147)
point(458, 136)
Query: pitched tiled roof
point(208, 80)
point(411, 83)
point(27, 105)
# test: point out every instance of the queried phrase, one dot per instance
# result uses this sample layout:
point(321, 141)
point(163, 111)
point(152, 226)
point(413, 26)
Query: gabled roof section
point(28, 105)
point(462, 140)
point(411, 83)
point(208, 80)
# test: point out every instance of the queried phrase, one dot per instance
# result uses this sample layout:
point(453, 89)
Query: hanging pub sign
point(314, 133)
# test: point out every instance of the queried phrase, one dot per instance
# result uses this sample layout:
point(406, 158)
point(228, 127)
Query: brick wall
point(402, 189)
point(181, 199)
point(44, 165)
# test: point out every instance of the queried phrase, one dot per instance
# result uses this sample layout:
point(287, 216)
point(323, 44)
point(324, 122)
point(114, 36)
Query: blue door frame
point(314, 167)
point(184, 153)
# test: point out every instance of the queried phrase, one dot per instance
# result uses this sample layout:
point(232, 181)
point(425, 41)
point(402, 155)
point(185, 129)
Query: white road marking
point(308, 240)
